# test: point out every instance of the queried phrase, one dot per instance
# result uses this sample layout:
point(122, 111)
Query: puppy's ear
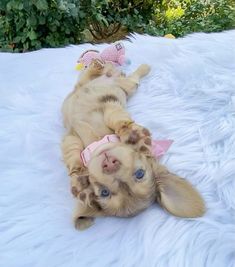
point(86, 210)
point(177, 195)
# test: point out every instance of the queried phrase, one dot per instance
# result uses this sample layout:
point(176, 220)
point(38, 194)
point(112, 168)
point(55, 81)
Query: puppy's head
point(125, 180)
point(122, 179)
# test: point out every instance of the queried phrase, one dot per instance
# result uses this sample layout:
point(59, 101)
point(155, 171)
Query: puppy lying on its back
point(121, 178)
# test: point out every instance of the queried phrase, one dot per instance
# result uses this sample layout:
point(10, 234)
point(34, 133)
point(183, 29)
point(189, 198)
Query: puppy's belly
point(87, 114)
point(97, 123)
point(90, 127)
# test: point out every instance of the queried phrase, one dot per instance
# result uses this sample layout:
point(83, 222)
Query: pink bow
point(159, 147)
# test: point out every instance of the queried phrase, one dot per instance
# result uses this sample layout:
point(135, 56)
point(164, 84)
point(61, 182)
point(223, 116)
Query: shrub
point(106, 17)
point(28, 25)
point(183, 17)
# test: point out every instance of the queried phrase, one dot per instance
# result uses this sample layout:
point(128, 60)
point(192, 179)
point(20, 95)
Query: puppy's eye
point(139, 174)
point(104, 192)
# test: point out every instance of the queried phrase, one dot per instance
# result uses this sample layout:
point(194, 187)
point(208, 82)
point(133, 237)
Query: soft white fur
point(189, 97)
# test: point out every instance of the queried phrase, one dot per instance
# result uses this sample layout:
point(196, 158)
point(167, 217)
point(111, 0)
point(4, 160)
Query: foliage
point(103, 14)
point(183, 17)
point(28, 25)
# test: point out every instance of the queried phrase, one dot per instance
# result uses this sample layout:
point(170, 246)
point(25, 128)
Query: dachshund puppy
point(121, 177)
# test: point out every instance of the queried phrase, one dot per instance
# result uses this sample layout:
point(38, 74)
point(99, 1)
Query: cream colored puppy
point(121, 178)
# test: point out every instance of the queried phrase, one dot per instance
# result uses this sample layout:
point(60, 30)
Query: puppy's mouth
point(101, 150)
point(104, 152)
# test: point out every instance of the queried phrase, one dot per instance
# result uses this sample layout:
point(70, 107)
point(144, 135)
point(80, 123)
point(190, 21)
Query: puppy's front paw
point(132, 133)
point(82, 223)
point(96, 67)
point(136, 135)
point(78, 184)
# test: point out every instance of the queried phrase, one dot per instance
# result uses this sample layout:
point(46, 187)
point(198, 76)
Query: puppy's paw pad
point(82, 196)
point(82, 223)
point(133, 133)
point(83, 180)
point(86, 195)
point(78, 184)
point(133, 137)
point(146, 132)
point(74, 191)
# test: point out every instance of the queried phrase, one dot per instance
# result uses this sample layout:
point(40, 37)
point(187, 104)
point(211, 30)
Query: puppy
point(121, 178)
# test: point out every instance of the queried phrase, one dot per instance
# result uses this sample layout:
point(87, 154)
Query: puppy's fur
point(94, 109)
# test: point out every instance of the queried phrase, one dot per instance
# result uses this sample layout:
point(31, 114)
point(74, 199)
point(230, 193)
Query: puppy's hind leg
point(115, 116)
point(130, 83)
point(139, 73)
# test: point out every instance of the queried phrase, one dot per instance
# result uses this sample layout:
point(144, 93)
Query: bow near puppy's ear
point(177, 195)
point(87, 208)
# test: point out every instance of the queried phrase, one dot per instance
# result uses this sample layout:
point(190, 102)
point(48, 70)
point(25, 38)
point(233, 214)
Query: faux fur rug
point(189, 96)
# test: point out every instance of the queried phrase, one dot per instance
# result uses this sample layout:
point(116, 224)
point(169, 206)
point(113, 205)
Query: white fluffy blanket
point(189, 97)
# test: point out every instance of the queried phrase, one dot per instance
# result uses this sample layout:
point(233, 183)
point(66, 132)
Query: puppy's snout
point(110, 164)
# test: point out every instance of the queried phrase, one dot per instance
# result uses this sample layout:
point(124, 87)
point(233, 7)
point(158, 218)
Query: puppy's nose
point(110, 164)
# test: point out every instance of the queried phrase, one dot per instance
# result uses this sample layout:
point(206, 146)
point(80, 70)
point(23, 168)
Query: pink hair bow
point(160, 147)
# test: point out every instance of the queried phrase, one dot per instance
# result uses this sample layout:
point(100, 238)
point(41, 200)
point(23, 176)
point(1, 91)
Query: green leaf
point(74, 12)
point(9, 6)
point(26, 46)
point(41, 4)
point(67, 31)
point(82, 14)
point(32, 35)
point(17, 39)
point(32, 21)
point(42, 20)
point(71, 6)
point(20, 6)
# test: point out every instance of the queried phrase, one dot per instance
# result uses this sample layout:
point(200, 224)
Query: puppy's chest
point(103, 80)
point(100, 92)
point(91, 101)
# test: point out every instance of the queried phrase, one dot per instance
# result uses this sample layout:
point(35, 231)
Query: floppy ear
point(177, 195)
point(86, 210)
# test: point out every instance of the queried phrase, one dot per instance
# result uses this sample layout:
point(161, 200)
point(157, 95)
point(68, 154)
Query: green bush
point(31, 24)
point(27, 25)
point(132, 15)
point(183, 17)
